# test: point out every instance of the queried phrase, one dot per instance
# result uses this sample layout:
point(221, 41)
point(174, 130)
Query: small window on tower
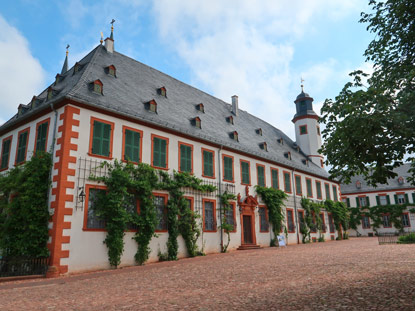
point(321, 163)
point(303, 129)
point(318, 130)
point(303, 105)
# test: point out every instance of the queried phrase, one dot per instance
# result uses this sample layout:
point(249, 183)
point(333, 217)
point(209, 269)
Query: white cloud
point(246, 48)
point(22, 75)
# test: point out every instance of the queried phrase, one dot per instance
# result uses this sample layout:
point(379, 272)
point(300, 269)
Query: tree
point(370, 126)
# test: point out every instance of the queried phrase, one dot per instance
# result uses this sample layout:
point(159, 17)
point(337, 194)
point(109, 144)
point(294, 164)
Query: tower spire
point(112, 29)
point(65, 63)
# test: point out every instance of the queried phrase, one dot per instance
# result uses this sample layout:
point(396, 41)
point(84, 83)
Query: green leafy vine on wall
point(274, 200)
point(312, 221)
point(225, 225)
point(24, 213)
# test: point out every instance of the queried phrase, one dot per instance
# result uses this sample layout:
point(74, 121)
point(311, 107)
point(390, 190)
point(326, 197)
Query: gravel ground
point(357, 274)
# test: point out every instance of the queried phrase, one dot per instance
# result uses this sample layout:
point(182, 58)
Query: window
point(185, 158)
point(401, 198)
point(346, 201)
point(287, 182)
point(49, 95)
point(111, 70)
point(41, 135)
point(200, 107)
point(229, 120)
point(327, 188)
point(331, 224)
point(159, 152)
point(313, 228)
point(97, 87)
point(303, 105)
point(91, 220)
point(287, 155)
point(290, 221)
point(5, 152)
point(318, 187)
point(362, 201)
point(208, 163)
point(209, 215)
point(259, 131)
point(162, 91)
point(197, 122)
point(303, 129)
point(230, 216)
point(77, 67)
point(260, 170)
point(101, 137)
point(22, 140)
point(132, 141)
point(263, 219)
point(386, 221)
point(321, 163)
point(132, 208)
point(382, 199)
point(323, 223)
point(405, 220)
point(151, 106)
point(298, 189)
point(309, 187)
point(263, 146)
point(227, 168)
point(245, 176)
point(160, 204)
point(274, 178)
point(365, 222)
point(318, 130)
point(334, 193)
point(234, 135)
point(189, 202)
point(301, 219)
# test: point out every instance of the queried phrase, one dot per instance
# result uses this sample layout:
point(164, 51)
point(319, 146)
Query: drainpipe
point(52, 147)
point(295, 208)
point(220, 202)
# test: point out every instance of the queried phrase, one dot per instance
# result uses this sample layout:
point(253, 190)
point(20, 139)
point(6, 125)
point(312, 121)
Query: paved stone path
point(357, 274)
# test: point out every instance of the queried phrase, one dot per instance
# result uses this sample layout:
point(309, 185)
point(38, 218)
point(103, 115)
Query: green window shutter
point(106, 140)
point(5, 154)
point(308, 185)
point(274, 176)
point(395, 196)
point(163, 154)
point(287, 182)
point(348, 202)
point(159, 152)
point(132, 146)
point(185, 158)
point(367, 201)
point(21, 149)
point(97, 138)
point(228, 175)
point(318, 186)
point(388, 200)
point(298, 189)
point(261, 177)
point(406, 198)
point(245, 173)
point(357, 202)
point(327, 187)
point(208, 163)
point(377, 200)
point(334, 193)
point(41, 136)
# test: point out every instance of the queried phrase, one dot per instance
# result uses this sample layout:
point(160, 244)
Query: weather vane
point(112, 22)
point(67, 48)
point(302, 85)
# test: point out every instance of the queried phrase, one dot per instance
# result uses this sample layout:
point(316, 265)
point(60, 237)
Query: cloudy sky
point(256, 49)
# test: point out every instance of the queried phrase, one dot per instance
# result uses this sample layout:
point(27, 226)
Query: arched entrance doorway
point(247, 207)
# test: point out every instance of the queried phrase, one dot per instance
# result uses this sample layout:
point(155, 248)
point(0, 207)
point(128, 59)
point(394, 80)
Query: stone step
point(248, 246)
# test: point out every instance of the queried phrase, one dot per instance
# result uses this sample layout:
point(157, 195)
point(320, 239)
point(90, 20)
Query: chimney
point(235, 105)
point(109, 45)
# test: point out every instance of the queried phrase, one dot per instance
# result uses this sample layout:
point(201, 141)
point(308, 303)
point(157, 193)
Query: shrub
point(407, 239)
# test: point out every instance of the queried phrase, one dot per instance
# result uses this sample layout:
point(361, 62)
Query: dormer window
point(280, 141)
point(322, 163)
point(234, 135)
point(287, 155)
point(20, 109)
point(33, 102)
point(50, 93)
point(305, 162)
point(151, 106)
point(200, 107)
point(263, 146)
point(401, 180)
point(259, 131)
point(197, 122)
point(58, 78)
point(162, 91)
point(297, 148)
point(97, 87)
point(229, 120)
point(358, 185)
point(110, 70)
point(77, 67)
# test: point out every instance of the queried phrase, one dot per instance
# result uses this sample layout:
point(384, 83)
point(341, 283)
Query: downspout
point(295, 209)
point(220, 201)
point(52, 147)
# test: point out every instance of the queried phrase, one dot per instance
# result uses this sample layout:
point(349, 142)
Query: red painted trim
point(289, 178)
point(266, 217)
point(91, 136)
point(166, 199)
point(191, 151)
point(305, 117)
point(27, 129)
point(87, 190)
point(375, 191)
point(167, 152)
point(249, 171)
point(213, 162)
point(60, 191)
point(318, 185)
point(290, 211)
point(311, 187)
point(47, 133)
point(301, 189)
point(257, 176)
point(214, 215)
point(400, 192)
point(123, 143)
point(278, 177)
point(10, 151)
point(324, 222)
point(302, 126)
point(223, 167)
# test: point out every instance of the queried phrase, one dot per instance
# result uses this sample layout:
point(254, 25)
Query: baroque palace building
point(109, 106)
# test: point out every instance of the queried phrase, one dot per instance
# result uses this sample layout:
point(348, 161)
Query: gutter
point(52, 147)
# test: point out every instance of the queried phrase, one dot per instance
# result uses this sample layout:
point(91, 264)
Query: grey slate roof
point(136, 84)
point(393, 183)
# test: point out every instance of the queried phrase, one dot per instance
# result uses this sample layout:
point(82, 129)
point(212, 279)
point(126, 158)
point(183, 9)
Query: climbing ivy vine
point(225, 225)
point(312, 220)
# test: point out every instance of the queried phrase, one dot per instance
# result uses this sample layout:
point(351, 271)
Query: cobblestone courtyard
point(343, 275)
